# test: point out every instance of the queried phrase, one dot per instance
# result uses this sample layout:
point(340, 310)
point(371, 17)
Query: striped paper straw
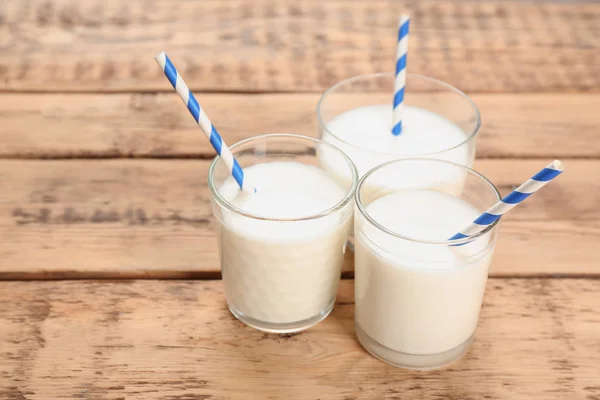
point(400, 80)
point(202, 119)
point(534, 184)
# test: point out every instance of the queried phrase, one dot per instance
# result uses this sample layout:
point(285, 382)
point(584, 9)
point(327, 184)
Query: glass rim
point(338, 206)
point(360, 206)
point(333, 88)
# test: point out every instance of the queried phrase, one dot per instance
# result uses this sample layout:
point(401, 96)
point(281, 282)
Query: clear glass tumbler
point(281, 249)
point(441, 121)
point(418, 294)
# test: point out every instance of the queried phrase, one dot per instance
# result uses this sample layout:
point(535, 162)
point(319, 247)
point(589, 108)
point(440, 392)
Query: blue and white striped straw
point(202, 119)
point(400, 80)
point(534, 184)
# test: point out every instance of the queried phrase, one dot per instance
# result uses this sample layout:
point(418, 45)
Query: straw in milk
point(400, 79)
point(534, 184)
point(202, 119)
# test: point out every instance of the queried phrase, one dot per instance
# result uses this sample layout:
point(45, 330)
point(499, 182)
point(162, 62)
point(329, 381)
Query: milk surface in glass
point(281, 271)
point(364, 134)
point(438, 121)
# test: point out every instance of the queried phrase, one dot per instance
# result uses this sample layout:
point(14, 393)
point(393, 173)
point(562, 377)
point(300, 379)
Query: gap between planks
point(214, 276)
point(233, 92)
point(208, 156)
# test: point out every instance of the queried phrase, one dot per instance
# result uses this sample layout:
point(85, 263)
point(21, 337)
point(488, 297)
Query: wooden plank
point(537, 338)
point(152, 218)
point(157, 125)
point(300, 45)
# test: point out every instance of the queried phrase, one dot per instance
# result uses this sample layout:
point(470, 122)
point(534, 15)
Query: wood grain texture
point(157, 125)
point(152, 218)
point(299, 45)
point(536, 339)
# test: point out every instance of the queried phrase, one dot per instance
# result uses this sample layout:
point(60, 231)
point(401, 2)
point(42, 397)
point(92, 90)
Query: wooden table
point(110, 276)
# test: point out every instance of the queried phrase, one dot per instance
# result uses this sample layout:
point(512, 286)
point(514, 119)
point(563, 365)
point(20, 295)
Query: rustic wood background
point(103, 177)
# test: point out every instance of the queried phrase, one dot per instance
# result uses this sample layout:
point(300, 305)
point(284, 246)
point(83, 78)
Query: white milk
point(283, 272)
point(418, 299)
point(365, 135)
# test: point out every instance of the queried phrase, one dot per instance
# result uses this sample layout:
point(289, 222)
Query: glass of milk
point(355, 115)
point(418, 294)
point(281, 248)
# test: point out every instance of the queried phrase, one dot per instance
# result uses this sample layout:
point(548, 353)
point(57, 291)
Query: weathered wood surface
point(152, 218)
point(63, 219)
point(301, 45)
point(157, 125)
point(537, 339)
